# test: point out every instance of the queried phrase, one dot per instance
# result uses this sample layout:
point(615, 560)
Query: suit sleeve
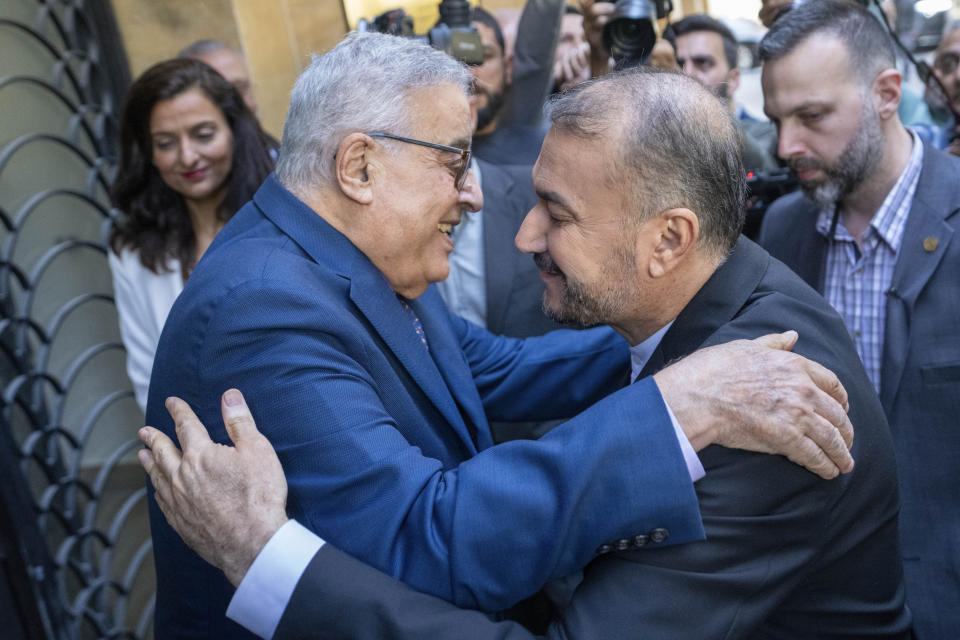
point(720, 588)
point(484, 533)
point(556, 375)
point(350, 600)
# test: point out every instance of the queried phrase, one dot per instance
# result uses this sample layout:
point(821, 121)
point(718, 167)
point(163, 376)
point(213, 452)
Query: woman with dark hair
point(191, 155)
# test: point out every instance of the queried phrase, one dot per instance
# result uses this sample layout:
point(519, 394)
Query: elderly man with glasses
point(316, 301)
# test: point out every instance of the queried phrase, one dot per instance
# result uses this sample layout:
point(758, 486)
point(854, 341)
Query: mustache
point(800, 164)
point(546, 264)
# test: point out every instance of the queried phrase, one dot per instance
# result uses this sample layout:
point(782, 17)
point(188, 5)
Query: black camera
point(763, 187)
point(630, 34)
point(452, 34)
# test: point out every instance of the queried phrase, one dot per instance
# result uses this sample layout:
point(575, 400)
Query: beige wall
point(277, 37)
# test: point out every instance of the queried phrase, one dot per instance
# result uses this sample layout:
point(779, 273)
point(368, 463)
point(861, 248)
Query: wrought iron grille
point(75, 555)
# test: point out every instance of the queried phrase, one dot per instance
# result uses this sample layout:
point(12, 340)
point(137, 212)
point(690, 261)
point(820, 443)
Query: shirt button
point(639, 541)
point(604, 548)
point(857, 334)
point(623, 545)
point(659, 535)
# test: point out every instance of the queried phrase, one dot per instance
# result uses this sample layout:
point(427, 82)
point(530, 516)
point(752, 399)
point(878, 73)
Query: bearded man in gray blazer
point(872, 230)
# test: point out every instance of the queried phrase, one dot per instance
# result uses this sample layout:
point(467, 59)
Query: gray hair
point(360, 85)
point(678, 146)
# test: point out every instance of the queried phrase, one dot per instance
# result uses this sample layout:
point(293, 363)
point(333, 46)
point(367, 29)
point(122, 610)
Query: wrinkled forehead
point(440, 113)
point(227, 63)
point(694, 43)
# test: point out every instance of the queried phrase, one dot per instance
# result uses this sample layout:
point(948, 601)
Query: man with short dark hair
point(641, 193)
point(873, 231)
point(707, 51)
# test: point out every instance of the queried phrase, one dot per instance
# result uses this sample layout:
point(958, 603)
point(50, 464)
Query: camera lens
point(630, 32)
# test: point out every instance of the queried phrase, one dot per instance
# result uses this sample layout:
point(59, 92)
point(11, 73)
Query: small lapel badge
point(930, 244)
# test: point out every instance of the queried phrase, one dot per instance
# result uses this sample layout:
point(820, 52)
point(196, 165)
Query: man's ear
point(677, 234)
point(733, 81)
point(887, 90)
point(354, 166)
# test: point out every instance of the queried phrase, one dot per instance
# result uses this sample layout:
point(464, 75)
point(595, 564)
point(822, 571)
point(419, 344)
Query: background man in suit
point(787, 554)
point(504, 135)
point(491, 283)
point(872, 230)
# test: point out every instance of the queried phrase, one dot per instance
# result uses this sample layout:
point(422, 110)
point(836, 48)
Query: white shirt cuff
point(266, 589)
point(694, 466)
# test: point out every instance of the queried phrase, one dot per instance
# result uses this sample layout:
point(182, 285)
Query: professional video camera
point(630, 34)
point(763, 187)
point(452, 34)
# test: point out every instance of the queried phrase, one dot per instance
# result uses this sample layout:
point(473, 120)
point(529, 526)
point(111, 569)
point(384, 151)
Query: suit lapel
point(499, 230)
point(375, 299)
point(370, 292)
point(811, 252)
point(935, 200)
point(716, 303)
point(452, 365)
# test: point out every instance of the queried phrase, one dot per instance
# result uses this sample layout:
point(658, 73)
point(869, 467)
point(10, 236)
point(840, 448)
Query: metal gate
point(75, 556)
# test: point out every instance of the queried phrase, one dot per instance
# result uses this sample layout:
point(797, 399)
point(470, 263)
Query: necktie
point(417, 326)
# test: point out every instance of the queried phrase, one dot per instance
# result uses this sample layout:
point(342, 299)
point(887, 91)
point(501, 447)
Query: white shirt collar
point(640, 353)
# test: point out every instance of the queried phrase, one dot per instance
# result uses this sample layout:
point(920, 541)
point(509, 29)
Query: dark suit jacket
point(513, 285)
point(787, 555)
point(514, 289)
point(920, 376)
point(511, 144)
point(385, 443)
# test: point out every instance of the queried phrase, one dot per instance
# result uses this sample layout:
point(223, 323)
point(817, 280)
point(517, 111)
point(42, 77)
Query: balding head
point(674, 143)
point(229, 63)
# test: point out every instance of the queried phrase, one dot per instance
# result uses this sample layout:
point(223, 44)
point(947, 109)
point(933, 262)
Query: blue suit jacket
point(385, 444)
point(920, 376)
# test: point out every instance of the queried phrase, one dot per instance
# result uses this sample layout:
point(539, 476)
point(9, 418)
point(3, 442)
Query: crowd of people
point(515, 370)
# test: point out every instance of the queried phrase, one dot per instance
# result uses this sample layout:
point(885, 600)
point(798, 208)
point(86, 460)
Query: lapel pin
point(930, 244)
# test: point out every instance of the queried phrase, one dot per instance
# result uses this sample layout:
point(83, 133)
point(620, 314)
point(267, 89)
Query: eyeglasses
point(947, 62)
point(460, 176)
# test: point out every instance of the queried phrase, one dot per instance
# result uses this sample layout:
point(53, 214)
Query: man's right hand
point(595, 17)
point(225, 502)
point(757, 395)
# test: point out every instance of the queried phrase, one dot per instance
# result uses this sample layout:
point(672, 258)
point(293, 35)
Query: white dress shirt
point(465, 290)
